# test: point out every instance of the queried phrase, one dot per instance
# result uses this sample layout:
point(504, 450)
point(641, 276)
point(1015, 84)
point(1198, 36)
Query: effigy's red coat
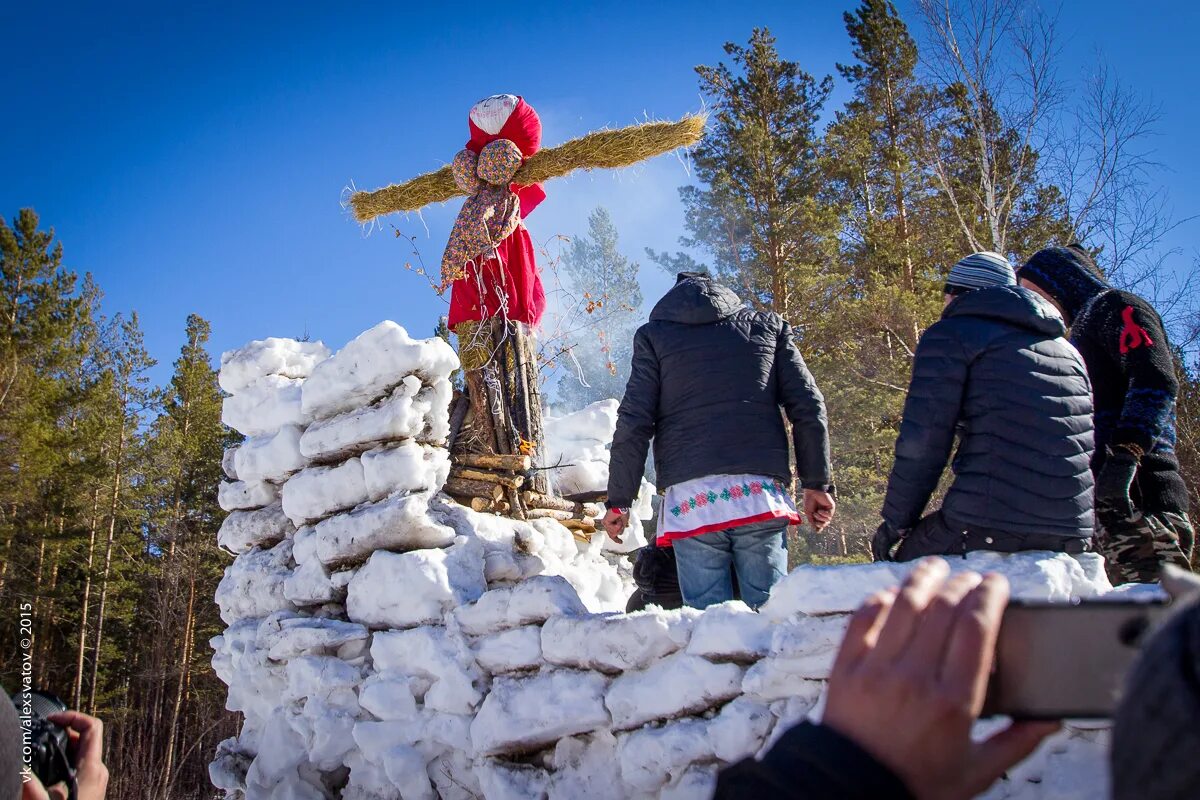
point(509, 281)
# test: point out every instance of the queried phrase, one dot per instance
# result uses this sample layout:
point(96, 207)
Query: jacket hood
point(1067, 274)
point(1011, 304)
point(696, 299)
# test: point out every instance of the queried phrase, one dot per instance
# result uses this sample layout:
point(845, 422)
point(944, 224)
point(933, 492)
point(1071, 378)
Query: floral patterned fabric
point(720, 502)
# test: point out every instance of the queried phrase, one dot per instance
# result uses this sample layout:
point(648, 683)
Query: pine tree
point(607, 285)
point(757, 212)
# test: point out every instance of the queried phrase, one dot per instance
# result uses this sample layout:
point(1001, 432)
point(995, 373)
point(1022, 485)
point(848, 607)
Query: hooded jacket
point(997, 368)
point(1132, 370)
point(708, 380)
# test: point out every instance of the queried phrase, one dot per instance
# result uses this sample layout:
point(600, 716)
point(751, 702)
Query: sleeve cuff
point(843, 766)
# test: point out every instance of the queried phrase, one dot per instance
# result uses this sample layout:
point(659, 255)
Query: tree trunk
point(173, 729)
point(77, 690)
point(108, 551)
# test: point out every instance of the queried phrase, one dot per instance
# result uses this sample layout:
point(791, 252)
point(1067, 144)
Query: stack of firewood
point(503, 484)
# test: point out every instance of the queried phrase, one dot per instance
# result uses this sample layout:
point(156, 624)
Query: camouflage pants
point(1136, 549)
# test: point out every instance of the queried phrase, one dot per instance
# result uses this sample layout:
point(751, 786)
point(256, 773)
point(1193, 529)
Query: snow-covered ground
point(384, 642)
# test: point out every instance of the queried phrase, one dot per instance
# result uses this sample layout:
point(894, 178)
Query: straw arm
point(432, 187)
point(612, 149)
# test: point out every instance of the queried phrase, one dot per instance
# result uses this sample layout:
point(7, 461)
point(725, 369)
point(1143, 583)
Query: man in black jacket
point(996, 371)
point(1141, 500)
point(708, 381)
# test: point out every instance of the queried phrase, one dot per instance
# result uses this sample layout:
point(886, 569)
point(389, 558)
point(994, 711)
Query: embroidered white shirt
point(720, 502)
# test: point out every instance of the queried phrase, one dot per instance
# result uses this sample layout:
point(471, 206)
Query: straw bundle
point(600, 149)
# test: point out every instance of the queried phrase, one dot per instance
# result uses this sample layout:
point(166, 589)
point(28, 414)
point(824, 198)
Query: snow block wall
point(385, 642)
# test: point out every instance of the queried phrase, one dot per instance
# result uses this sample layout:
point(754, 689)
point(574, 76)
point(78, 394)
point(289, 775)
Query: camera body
point(44, 742)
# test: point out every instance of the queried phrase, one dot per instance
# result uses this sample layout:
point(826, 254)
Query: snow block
point(287, 358)
point(583, 768)
point(370, 365)
point(807, 646)
point(314, 493)
point(510, 651)
point(270, 457)
point(284, 636)
point(311, 585)
point(740, 729)
point(227, 462)
point(616, 642)
point(533, 601)
point(771, 679)
point(526, 714)
point(502, 780)
point(649, 757)
point(396, 523)
point(389, 696)
point(673, 687)
point(830, 590)
point(253, 585)
point(442, 658)
point(407, 467)
point(265, 406)
point(246, 495)
point(404, 590)
point(411, 411)
point(242, 530)
point(730, 632)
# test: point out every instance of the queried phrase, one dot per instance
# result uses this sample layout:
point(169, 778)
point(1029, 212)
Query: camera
point(44, 743)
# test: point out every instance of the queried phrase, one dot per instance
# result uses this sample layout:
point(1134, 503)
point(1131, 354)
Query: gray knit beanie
point(981, 270)
point(1156, 734)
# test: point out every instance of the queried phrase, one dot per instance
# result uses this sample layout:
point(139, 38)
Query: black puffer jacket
point(708, 381)
point(997, 368)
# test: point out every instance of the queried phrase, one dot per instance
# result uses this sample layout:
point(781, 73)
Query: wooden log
point(481, 413)
point(585, 525)
point(547, 513)
point(516, 510)
point(537, 434)
point(588, 510)
point(511, 463)
point(459, 407)
point(465, 487)
point(538, 500)
point(508, 481)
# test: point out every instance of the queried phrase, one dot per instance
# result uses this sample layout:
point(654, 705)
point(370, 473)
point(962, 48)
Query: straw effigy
point(610, 149)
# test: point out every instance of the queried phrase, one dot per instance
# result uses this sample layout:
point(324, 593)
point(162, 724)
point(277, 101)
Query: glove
point(883, 541)
point(1113, 484)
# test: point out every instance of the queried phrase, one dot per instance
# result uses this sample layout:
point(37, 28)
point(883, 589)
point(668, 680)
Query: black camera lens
point(45, 743)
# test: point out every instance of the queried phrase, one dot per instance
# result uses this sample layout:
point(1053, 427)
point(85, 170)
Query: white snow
point(406, 467)
point(287, 358)
point(616, 642)
point(368, 367)
point(245, 495)
point(524, 714)
point(673, 687)
point(270, 457)
point(400, 522)
point(433, 653)
point(242, 530)
point(533, 601)
point(510, 651)
point(253, 584)
point(265, 406)
point(314, 493)
point(411, 411)
point(404, 590)
point(730, 632)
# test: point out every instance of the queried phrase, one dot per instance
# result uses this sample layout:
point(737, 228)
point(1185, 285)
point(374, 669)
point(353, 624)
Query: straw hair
point(600, 149)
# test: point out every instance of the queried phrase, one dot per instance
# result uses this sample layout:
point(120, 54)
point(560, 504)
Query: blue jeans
point(758, 552)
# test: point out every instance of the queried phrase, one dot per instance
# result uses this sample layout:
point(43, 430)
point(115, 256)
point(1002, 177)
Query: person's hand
point(883, 541)
point(1113, 485)
point(818, 507)
point(910, 679)
point(615, 522)
point(86, 746)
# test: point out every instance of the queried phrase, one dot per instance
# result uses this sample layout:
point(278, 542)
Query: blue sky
point(193, 156)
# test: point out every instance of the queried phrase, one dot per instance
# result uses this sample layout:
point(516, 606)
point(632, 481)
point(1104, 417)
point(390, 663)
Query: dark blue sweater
point(997, 370)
